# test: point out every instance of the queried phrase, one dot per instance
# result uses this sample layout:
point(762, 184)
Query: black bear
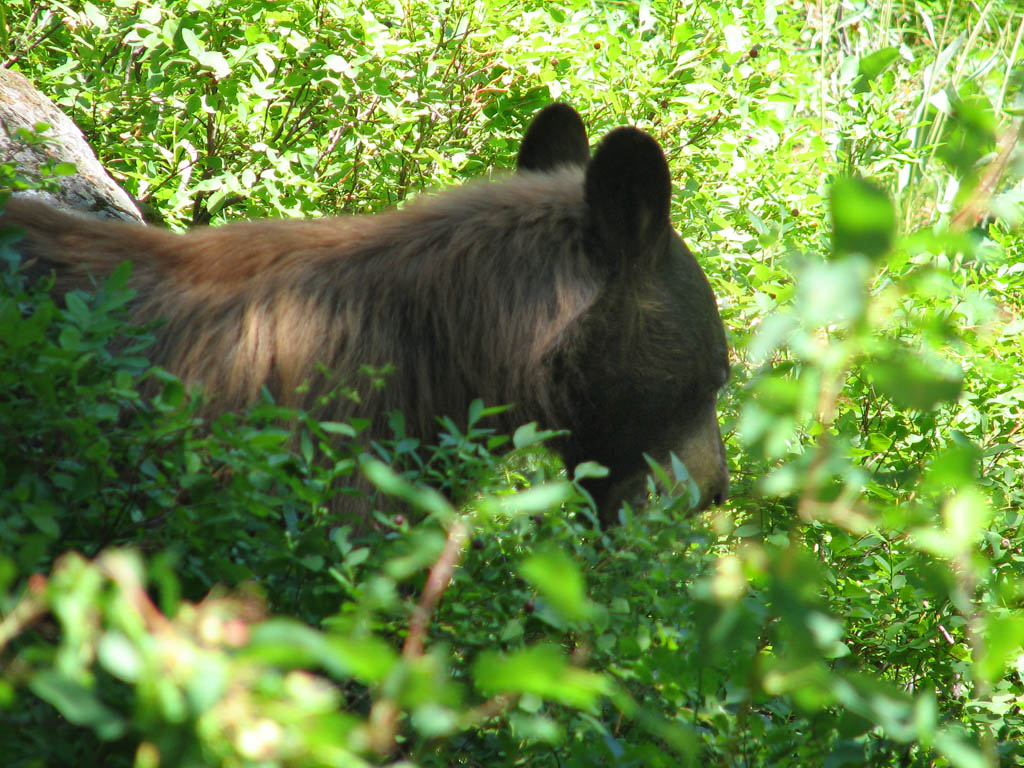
point(562, 290)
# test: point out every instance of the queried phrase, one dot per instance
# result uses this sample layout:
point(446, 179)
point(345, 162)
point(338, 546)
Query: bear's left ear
point(556, 137)
point(627, 193)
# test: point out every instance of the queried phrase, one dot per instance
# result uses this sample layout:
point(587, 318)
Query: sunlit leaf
point(863, 219)
point(871, 66)
point(541, 670)
point(915, 381)
point(558, 580)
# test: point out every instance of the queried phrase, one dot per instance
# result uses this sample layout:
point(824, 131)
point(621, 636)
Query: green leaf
point(207, 683)
point(95, 16)
point(871, 66)
point(78, 704)
point(966, 515)
point(64, 169)
point(540, 670)
point(424, 548)
point(70, 338)
point(387, 480)
point(172, 394)
point(268, 438)
point(336, 63)
point(528, 434)
point(863, 218)
point(357, 557)
point(44, 518)
point(292, 644)
point(118, 280)
point(558, 580)
point(832, 292)
point(338, 428)
point(589, 469)
point(1004, 641)
point(77, 306)
point(214, 61)
point(959, 753)
point(476, 410)
point(970, 134)
point(433, 720)
point(539, 498)
point(120, 656)
point(914, 381)
point(191, 41)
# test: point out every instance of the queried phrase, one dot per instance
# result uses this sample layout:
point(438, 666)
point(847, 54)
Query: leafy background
point(173, 593)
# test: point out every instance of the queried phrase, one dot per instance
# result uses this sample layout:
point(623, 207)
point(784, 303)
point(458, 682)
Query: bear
point(561, 290)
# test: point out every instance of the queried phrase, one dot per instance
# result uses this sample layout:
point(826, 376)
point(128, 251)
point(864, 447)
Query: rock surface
point(89, 189)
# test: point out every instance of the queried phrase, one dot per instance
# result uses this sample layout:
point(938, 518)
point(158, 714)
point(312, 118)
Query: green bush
point(172, 592)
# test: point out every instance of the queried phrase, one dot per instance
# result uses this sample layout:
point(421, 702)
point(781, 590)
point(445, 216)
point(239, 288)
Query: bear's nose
point(717, 492)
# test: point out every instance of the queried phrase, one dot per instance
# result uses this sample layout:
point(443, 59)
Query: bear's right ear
point(556, 137)
point(627, 193)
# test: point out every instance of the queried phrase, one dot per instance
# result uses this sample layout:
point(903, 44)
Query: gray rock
point(90, 189)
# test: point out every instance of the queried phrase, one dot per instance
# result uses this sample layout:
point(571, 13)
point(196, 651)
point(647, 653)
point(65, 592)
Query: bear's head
point(646, 361)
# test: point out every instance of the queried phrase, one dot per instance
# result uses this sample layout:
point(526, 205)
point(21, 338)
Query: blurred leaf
point(528, 434)
point(863, 220)
point(832, 292)
point(558, 580)
point(914, 381)
point(589, 469)
point(966, 515)
point(959, 753)
point(120, 656)
point(971, 133)
point(871, 66)
point(539, 498)
point(1004, 644)
point(423, 548)
point(78, 704)
point(290, 643)
point(387, 480)
point(541, 670)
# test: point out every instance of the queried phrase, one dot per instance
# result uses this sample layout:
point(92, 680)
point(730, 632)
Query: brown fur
point(261, 303)
point(490, 290)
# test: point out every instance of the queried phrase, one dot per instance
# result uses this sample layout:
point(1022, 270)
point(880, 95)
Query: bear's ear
point(627, 193)
point(556, 137)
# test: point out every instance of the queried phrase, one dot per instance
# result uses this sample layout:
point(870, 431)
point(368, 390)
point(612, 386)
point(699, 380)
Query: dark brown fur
point(491, 290)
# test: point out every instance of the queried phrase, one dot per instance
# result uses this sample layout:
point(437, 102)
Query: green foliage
point(173, 591)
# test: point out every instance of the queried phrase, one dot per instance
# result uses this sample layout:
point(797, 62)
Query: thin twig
point(437, 582)
point(27, 610)
point(13, 58)
point(384, 713)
